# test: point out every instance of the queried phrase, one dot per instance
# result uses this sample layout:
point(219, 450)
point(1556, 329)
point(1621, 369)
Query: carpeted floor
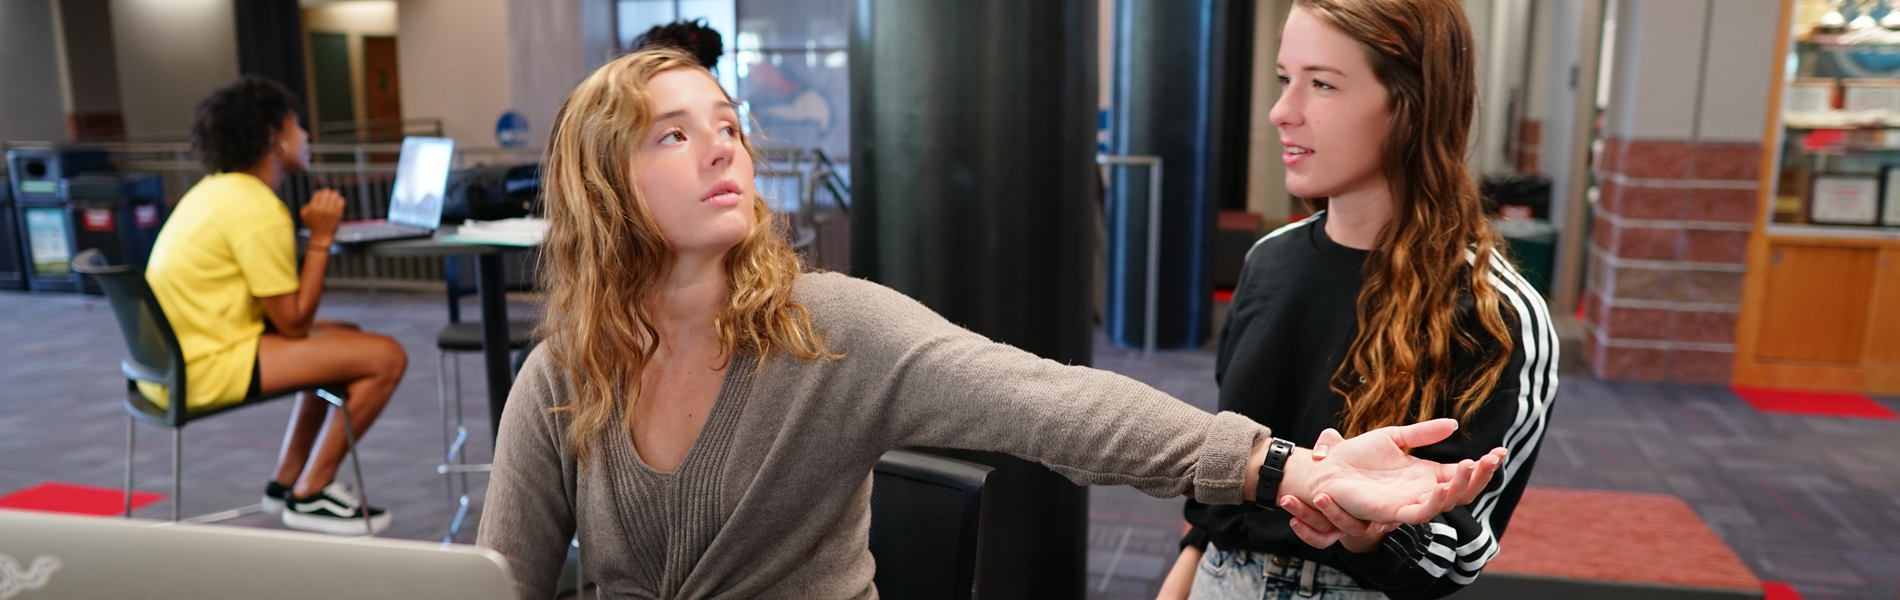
point(1810, 501)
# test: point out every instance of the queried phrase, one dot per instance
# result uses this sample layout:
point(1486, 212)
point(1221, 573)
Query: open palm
point(1373, 478)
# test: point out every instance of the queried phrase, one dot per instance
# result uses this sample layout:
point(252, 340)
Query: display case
point(1839, 148)
point(1821, 299)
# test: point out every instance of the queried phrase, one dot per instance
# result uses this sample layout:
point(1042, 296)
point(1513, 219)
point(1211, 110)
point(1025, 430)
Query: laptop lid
point(55, 557)
point(422, 177)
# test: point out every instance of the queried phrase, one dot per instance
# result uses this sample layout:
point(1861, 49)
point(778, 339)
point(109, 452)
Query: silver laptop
point(415, 206)
point(47, 556)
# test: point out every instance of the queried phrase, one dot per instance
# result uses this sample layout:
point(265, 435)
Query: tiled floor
point(1811, 501)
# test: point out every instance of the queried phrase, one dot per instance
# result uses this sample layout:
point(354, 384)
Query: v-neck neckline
point(739, 368)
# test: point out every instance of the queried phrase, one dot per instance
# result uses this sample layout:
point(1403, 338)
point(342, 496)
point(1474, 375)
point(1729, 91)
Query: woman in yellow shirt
point(225, 262)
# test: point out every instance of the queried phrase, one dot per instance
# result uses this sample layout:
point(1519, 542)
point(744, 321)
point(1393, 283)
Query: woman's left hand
point(1325, 523)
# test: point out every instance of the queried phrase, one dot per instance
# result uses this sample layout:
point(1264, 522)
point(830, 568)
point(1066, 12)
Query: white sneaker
point(335, 510)
point(274, 497)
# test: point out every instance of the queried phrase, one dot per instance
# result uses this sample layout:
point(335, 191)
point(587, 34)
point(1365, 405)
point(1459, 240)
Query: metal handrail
point(1153, 291)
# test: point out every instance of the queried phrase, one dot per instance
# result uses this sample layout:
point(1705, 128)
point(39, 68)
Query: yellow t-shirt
point(229, 242)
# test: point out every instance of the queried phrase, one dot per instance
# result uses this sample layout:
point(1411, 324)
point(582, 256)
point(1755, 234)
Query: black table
point(489, 288)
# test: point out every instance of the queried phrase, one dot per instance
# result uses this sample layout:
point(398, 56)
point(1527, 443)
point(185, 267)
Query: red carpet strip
point(1815, 404)
point(53, 496)
point(1780, 591)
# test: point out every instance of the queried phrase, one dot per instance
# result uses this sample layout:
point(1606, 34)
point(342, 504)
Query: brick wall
point(1667, 256)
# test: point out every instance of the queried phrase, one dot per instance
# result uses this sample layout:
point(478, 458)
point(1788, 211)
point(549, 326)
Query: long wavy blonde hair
point(1399, 368)
point(605, 257)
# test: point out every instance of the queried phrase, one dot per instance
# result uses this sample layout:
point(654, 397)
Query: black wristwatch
point(1272, 471)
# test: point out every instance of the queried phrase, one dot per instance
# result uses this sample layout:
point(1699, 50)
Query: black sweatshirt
point(1293, 318)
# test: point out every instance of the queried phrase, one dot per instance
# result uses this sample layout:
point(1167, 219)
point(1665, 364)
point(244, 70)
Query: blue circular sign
point(511, 130)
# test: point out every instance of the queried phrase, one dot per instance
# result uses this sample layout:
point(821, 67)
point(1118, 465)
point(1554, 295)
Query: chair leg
point(349, 434)
point(461, 445)
point(131, 433)
point(580, 571)
point(178, 474)
point(442, 402)
point(459, 452)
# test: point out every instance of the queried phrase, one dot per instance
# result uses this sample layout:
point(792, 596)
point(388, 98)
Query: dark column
point(270, 41)
point(973, 186)
point(1174, 97)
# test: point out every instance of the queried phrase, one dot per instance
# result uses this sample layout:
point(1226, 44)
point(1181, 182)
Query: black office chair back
point(925, 516)
point(154, 353)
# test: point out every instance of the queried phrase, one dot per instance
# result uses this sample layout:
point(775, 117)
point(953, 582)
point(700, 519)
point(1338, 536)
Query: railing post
point(1152, 292)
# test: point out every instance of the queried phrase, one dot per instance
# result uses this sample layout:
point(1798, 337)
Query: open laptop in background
point(54, 557)
point(415, 205)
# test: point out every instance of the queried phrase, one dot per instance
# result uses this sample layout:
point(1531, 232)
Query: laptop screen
point(422, 177)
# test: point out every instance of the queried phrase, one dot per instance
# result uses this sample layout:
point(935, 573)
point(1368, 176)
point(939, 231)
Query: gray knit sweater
point(773, 499)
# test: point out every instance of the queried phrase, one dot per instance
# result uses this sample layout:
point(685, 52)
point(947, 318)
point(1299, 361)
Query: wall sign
point(511, 130)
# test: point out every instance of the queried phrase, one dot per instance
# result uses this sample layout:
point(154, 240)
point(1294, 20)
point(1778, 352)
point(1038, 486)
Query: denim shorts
point(1243, 575)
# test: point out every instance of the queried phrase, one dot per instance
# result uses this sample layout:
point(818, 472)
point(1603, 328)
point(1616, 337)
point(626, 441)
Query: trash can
point(12, 259)
point(1533, 244)
point(45, 222)
point(1520, 194)
point(119, 216)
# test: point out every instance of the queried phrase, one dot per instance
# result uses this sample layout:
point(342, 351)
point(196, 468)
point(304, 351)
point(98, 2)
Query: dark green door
point(330, 58)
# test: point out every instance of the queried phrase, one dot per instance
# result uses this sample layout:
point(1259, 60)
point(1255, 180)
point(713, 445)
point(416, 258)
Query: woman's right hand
point(322, 214)
point(1180, 581)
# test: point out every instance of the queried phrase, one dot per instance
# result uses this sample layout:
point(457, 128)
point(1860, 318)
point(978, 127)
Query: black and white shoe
point(274, 497)
point(336, 510)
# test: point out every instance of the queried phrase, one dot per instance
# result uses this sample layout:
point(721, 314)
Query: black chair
point(456, 338)
point(925, 514)
point(155, 357)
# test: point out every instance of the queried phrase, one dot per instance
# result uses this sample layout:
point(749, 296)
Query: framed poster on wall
point(1845, 200)
point(1890, 197)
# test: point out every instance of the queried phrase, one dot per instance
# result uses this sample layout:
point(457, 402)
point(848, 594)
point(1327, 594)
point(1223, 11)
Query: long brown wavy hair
point(604, 257)
point(1399, 368)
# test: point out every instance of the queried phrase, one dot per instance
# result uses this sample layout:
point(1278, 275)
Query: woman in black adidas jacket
point(1394, 304)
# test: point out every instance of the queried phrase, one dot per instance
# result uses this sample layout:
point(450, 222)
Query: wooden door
point(330, 58)
point(1883, 332)
point(1817, 305)
point(382, 89)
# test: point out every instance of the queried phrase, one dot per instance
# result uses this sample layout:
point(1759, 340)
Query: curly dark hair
point(695, 37)
point(232, 127)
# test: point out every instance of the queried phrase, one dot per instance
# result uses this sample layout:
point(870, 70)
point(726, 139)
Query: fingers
point(1340, 519)
point(1312, 518)
point(1426, 506)
point(1311, 537)
point(1423, 434)
point(1462, 475)
point(326, 198)
point(1327, 439)
point(1487, 466)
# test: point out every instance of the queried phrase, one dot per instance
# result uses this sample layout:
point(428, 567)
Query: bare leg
point(305, 420)
point(369, 365)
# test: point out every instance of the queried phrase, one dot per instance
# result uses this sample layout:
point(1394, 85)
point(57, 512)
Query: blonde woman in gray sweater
point(707, 417)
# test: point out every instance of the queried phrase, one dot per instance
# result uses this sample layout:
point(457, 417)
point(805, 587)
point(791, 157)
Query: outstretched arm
point(927, 382)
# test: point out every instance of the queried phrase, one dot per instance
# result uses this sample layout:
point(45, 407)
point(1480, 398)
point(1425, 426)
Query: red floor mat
point(1780, 591)
point(1652, 539)
point(52, 496)
point(1817, 404)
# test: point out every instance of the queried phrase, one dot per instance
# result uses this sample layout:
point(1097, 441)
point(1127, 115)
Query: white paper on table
point(523, 231)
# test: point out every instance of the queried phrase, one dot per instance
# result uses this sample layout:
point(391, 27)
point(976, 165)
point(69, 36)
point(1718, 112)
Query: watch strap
point(1272, 472)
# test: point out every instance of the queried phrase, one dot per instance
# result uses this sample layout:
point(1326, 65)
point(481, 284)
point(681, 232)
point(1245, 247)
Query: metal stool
point(462, 338)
